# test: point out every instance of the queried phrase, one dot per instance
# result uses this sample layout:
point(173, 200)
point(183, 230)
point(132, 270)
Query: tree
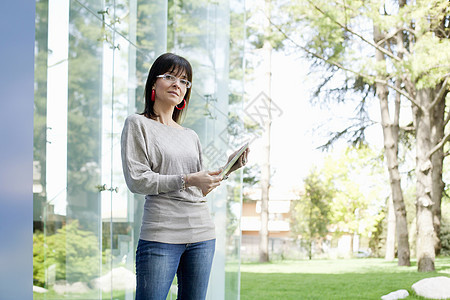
point(310, 213)
point(410, 42)
point(265, 170)
point(70, 243)
point(391, 139)
point(356, 177)
point(262, 40)
point(390, 235)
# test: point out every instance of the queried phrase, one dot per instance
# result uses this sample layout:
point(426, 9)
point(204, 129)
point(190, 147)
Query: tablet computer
point(233, 160)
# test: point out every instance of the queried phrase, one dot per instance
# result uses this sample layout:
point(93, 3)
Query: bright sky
point(293, 136)
point(291, 143)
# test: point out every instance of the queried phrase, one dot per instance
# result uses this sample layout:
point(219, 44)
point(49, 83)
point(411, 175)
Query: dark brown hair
point(166, 63)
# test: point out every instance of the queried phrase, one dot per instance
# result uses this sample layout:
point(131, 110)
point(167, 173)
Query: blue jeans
point(157, 263)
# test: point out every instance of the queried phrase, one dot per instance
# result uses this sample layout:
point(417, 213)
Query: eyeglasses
point(174, 79)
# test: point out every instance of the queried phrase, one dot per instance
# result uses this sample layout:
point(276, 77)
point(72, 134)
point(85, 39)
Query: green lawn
point(332, 279)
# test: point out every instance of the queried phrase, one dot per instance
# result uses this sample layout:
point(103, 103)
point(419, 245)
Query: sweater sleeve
point(139, 177)
point(200, 155)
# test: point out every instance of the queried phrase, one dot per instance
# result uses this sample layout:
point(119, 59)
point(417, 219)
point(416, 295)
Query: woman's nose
point(177, 83)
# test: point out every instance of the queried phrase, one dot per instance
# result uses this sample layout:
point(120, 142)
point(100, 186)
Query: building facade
point(91, 62)
point(279, 224)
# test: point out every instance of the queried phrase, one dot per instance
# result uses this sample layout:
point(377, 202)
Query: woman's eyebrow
point(176, 72)
point(183, 74)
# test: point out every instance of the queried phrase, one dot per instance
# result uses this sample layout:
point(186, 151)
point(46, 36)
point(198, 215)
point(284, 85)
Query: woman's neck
point(164, 114)
point(166, 120)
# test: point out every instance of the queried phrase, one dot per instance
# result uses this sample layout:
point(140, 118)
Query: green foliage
point(72, 251)
point(257, 31)
point(345, 196)
point(237, 43)
point(357, 177)
point(445, 238)
point(341, 32)
point(430, 61)
point(377, 241)
point(338, 37)
point(40, 92)
point(310, 214)
point(38, 259)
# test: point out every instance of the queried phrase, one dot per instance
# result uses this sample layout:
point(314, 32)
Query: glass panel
point(91, 67)
point(84, 253)
point(200, 31)
point(135, 48)
point(40, 143)
point(124, 223)
point(236, 134)
point(67, 239)
point(144, 24)
point(148, 31)
point(96, 7)
point(106, 181)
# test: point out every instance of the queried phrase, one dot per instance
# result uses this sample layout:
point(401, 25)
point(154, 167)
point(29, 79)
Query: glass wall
point(91, 61)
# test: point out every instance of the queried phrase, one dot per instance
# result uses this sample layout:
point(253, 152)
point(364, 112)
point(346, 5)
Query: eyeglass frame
point(187, 83)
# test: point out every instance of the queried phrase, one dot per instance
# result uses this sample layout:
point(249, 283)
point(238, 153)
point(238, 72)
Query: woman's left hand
point(240, 162)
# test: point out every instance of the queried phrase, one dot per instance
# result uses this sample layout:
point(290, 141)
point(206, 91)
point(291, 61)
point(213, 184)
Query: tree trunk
point(350, 251)
point(390, 135)
point(310, 228)
point(264, 230)
point(265, 169)
point(310, 249)
point(390, 238)
point(437, 161)
point(424, 205)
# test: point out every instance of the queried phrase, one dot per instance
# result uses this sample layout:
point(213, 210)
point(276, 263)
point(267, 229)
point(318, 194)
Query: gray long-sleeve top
point(154, 156)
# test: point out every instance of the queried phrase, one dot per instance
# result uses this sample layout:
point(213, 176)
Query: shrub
point(70, 250)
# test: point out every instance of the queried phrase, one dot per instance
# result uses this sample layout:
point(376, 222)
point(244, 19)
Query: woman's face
point(169, 89)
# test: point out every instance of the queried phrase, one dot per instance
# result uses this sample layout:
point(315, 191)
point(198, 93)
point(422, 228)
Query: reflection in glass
point(92, 60)
point(200, 31)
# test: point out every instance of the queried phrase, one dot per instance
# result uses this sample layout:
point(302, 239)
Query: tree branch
point(369, 77)
point(390, 36)
point(440, 145)
point(410, 30)
point(381, 49)
point(447, 118)
point(409, 86)
point(319, 56)
point(407, 128)
point(405, 94)
point(439, 95)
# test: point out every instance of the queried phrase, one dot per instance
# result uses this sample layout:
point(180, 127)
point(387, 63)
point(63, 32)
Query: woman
point(163, 160)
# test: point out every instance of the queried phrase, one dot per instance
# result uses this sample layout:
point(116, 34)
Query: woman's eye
point(183, 81)
point(170, 77)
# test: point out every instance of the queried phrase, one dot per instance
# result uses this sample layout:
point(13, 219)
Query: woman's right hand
point(204, 180)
